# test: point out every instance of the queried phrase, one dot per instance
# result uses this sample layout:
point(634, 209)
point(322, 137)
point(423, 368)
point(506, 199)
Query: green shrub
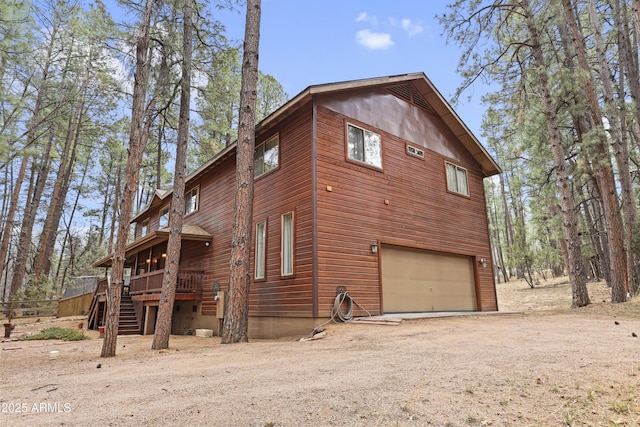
point(65, 334)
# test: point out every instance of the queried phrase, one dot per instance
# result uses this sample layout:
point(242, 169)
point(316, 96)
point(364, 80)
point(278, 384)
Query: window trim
point(166, 209)
point(292, 244)
point(414, 151)
point(273, 137)
point(356, 161)
point(132, 233)
point(264, 252)
point(195, 189)
point(144, 227)
point(466, 175)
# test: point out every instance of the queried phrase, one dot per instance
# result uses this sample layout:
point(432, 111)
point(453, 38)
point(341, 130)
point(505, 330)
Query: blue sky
point(304, 43)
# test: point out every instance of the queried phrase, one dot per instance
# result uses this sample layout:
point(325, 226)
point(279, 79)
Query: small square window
point(144, 227)
point(415, 151)
point(364, 146)
point(457, 181)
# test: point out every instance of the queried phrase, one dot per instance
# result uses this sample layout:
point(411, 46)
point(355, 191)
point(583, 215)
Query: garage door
point(414, 280)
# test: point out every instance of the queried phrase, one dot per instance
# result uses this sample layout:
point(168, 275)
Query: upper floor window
point(144, 227)
point(415, 151)
point(164, 217)
point(457, 179)
point(132, 232)
point(191, 201)
point(266, 156)
point(364, 146)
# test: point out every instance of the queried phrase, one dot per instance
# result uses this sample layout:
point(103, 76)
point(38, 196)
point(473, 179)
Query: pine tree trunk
point(115, 208)
point(615, 115)
point(60, 189)
point(137, 141)
point(106, 202)
point(628, 68)
point(580, 295)
point(236, 320)
point(603, 169)
point(497, 247)
point(31, 137)
point(628, 51)
point(635, 7)
point(172, 265)
point(59, 284)
point(31, 209)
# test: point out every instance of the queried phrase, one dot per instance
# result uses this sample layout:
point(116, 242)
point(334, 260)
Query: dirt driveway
point(545, 366)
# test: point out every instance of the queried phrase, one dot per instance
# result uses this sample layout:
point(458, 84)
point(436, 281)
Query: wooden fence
point(75, 306)
point(22, 309)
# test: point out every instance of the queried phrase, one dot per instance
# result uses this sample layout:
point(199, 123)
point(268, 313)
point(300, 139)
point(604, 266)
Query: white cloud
point(411, 28)
point(365, 17)
point(372, 40)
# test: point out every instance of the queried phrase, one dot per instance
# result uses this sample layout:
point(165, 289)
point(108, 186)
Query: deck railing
point(102, 286)
point(189, 281)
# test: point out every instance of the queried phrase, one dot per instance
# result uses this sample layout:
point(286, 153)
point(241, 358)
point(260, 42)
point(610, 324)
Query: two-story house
point(374, 186)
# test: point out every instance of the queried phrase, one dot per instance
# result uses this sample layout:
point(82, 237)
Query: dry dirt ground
point(537, 364)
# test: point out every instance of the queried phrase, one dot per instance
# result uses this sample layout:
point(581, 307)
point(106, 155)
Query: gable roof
point(427, 92)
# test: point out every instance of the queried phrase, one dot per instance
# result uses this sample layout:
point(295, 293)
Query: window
point(164, 217)
point(364, 146)
point(144, 227)
point(132, 232)
point(286, 255)
point(265, 157)
point(261, 234)
point(457, 179)
point(415, 151)
point(191, 201)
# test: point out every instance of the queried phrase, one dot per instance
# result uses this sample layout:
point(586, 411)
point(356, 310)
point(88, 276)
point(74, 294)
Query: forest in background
point(563, 123)
point(66, 74)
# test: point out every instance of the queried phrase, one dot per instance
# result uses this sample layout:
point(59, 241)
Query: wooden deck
point(141, 287)
point(145, 289)
point(148, 286)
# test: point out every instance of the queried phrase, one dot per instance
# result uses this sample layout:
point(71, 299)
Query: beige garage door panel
point(416, 280)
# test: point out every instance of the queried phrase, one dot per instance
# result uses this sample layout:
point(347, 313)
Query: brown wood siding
point(420, 213)
point(287, 189)
point(215, 215)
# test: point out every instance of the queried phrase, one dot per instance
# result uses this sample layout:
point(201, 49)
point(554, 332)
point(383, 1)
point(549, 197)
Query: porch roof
point(189, 233)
